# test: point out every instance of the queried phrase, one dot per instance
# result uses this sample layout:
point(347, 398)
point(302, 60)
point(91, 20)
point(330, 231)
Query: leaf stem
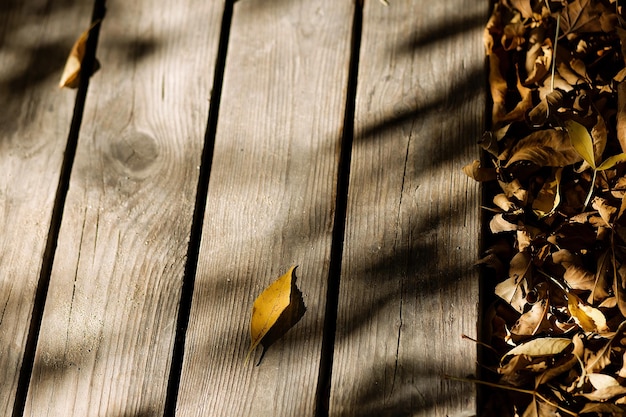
point(593, 184)
point(556, 41)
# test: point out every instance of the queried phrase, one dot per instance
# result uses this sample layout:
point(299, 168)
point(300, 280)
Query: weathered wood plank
point(407, 288)
point(35, 37)
point(109, 321)
point(270, 206)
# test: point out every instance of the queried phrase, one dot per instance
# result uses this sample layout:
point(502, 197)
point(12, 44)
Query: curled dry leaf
point(72, 71)
point(276, 310)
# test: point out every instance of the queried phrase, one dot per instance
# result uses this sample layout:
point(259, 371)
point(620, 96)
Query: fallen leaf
point(581, 141)
point(539, 409)
point(479, 173)
point(597, 361)
point(549, 197)
point(601, 408)
point(605, 210)
point(588, 318)
point(499, 224)
point(582, 16)
point(72, 71)
point(544, 346)
point(524, 7)
point(600, 381)
point(606, 393)
point(575, 275)
point(548, 147)
point(515, 288)
point(531, 322)
point(276, 310)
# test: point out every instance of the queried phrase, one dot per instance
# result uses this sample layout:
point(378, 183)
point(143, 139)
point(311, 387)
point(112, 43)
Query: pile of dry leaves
point(558, 243)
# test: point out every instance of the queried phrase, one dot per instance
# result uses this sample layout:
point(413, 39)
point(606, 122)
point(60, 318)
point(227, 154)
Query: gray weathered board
point(407, 288)
point(35, 120)
point(109, 321)
point(408, 291)
point(270, 206)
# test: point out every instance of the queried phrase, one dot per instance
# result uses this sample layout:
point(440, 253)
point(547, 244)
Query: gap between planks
point(322, 395)
point(193, 249)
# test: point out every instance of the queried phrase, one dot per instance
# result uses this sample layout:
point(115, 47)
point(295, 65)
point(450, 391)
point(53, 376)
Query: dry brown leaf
point(538, 61)
point(597, 361)
point(503, 202)
point(498, 88)
point(545, 346)
point(564, 365)
point(621, 115)
point(277, 309)
point(72, 71)
point(538, 408)
point(514, 190)
point(549, 147)
point(478, 173)
point(548, 198)
point(516, 287)
point(522, 6)
point(600, 291)
point(531, 322)
point(499, 224)
point(602, 408)
point(605, 393)
point(582, 16)
point(575, 275)
point(605, 210)
point(513, 36)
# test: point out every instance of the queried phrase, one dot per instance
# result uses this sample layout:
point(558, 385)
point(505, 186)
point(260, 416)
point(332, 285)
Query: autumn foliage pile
point(555, 155)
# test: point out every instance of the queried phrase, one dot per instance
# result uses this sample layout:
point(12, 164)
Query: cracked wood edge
point(108, 327)
point(407, 290)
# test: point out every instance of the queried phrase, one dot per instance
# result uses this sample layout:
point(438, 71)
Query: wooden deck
point(218, 145)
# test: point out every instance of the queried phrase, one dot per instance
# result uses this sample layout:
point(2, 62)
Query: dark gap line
point(486, 277)
point(58, 207)
point(322, 395)
point(202, 190)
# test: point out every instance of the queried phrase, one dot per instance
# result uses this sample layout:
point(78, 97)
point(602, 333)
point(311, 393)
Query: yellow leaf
point(277, 309)
point(588, 318)
point(72, 70)
point(611, 161)
point(581, 141)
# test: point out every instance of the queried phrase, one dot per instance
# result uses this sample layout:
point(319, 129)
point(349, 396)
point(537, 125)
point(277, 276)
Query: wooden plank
point(270, 206)
point(35, 37)
point(109, 322)
point(408, 291)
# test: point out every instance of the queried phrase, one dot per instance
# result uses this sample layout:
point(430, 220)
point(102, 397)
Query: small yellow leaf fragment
point(278, 308)
point(72, 70)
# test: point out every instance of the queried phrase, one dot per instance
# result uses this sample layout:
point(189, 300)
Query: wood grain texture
point(408, 291)
point(109, 320)
point(270, 206)
point(35, 38)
